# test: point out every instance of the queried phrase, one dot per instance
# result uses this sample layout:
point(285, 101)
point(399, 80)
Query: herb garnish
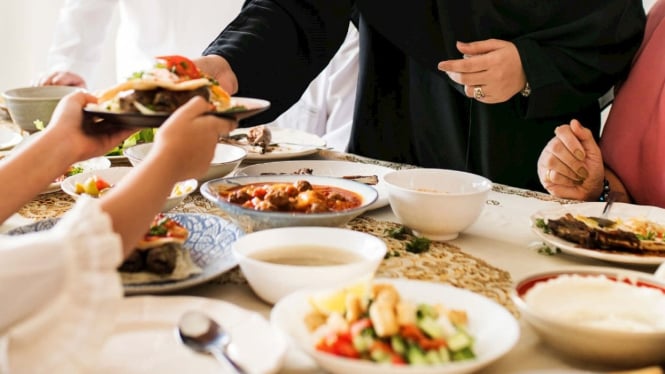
point(418, 245)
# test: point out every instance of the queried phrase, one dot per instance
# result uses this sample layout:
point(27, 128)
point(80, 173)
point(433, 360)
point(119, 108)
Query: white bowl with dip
point(277, 262)
point(436, 203)
point(609, 317)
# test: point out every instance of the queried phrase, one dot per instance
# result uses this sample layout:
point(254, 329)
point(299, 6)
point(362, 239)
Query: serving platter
point(619, 210)
point(324, 168)
point(209, 243)
point(286, 143)
point(99, 120)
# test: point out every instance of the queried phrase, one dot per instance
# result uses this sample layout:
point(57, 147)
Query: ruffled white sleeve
point(59, 290)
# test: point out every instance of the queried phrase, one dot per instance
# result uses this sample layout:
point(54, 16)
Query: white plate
point(209, 243)
point(495, 330)
point(9, 138)
point(93, 164)
point(144, 339)
point(619, 210)
point(291, 143)
point(325, 168)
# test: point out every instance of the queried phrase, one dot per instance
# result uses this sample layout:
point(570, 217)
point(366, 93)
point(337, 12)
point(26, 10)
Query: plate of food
point(631, 234)
point(395, 326)
point(179, 250)
point(264, 143)
point(369, 174)
point(149, 97)
point(143, 338)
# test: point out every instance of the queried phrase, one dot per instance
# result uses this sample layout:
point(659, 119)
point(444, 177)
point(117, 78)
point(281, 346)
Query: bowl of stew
point(271, 201)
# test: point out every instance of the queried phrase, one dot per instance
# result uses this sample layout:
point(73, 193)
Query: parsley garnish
point(418, 245)
point(397, 233)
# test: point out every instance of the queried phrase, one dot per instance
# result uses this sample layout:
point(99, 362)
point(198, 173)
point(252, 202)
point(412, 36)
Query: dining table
point(488, 258)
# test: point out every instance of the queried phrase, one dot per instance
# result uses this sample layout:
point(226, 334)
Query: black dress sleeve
point(580, 60)
point(277, 47)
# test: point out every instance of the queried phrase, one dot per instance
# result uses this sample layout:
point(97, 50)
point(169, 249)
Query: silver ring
point(478, 93)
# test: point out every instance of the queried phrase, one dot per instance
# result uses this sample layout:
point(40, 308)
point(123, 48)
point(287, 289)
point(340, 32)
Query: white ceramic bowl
point(494, 329)
point(436, 203)
point(27, 104)
point(226, 159)
point(254, 220)
point(115, 174)
point(594, 320)
point(272, 281)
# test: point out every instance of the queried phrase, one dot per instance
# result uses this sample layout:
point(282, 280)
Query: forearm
point(617, 187)
point(29, 171)
point(133, 203)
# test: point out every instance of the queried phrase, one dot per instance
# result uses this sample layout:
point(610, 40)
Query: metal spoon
point(202, 334)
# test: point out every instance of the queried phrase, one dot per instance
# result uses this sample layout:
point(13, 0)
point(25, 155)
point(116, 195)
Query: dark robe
point(408, 111)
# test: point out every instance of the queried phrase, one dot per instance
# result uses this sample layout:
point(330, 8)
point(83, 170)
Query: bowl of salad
point(97, 182)
point(397, 326)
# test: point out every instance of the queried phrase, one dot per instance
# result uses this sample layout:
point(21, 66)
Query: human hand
point(218, 68)
point(187, 140)
point(66, 127)
point(62, 78)
point(571, 164)
point(491, 71)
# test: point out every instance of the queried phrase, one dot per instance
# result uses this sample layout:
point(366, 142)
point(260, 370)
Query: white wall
point(26, 29)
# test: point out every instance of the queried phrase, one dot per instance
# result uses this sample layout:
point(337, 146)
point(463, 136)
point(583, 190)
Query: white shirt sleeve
point(326, 107)
point(79, 37)
point(59, 289)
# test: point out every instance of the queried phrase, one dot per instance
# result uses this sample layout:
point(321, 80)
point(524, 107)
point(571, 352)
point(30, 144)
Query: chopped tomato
point(340, 346)
point(101, 184)
point(181, 65)
point(414, 334)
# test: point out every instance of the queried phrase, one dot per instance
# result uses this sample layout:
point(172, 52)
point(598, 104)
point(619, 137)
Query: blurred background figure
point(149, 28)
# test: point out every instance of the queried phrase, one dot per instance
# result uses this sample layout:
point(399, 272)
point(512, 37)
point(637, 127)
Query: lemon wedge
point(335, 301)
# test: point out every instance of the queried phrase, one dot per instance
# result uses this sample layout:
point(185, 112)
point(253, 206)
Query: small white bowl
point(115, 174)
point(28, 104)
point(436, 203)
point(226, 159)
point(271, 281)
point(254, 220)
point(609, 317)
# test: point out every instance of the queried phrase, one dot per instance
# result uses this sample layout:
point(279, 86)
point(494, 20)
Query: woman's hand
point(66, 127)
point(571, 164)
point(188, 138)
point(491, 71)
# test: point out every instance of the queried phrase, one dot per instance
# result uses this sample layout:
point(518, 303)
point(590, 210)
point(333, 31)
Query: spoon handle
point(225, 360)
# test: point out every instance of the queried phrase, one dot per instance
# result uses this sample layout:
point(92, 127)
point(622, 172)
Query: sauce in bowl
point(306, 255)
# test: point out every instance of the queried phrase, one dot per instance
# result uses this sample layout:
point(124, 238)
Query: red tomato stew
point(301, 197)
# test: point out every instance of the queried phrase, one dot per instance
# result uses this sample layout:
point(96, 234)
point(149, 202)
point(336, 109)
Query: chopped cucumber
point(430, 326)
point(464, 354)
point(433, 357)
point(362, 342)
point(459, 341)
point(426, 310)
point(415, 355)
point(379, 355)
point(444, 354)
point(398, 345)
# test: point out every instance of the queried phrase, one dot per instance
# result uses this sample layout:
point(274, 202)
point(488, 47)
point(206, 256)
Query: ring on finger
point(548, 177)
point(478, 93)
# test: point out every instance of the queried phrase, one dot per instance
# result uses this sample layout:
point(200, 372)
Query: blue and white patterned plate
point(209, 242)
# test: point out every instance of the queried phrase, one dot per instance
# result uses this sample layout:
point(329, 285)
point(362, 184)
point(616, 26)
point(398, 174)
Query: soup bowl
point(251, 219)
point(279, 261)
point(436, 203)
